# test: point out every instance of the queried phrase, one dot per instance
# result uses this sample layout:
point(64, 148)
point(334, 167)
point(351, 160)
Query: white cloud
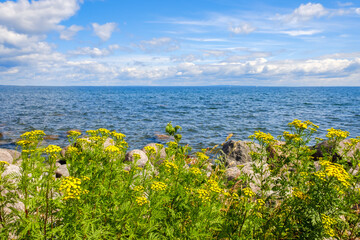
point(295, 33)
point(36, 16)
point(357, 10)
point(104, 31)
point(163, 44)
point(244, 28)
point(304, 13)
point(70, 32)
point(345, 4)
point(95, 52)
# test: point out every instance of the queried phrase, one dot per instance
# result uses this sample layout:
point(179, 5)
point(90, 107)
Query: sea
point(207, 115)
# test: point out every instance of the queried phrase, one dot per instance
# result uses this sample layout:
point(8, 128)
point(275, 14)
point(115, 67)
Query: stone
point(238, 152)
point(1, 135)
point(143, 158)
point(11, 170)
point(51, 137)
point(61, 171)
point(163, 137)
point(6, 156)
point(161, 154)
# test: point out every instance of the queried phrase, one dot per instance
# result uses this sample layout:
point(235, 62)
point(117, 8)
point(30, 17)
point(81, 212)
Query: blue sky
point(177, 43)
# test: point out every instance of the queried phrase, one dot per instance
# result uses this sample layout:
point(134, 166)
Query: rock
point(238, 152)
point(161, 154)
point(1, 135)
point(163, 137)
point(16, 155)
point(232, 173)
point(6, 156)
point(143, 158)
point(326, 147)
point(18, 206)
point(108, 142)
point(61, 171)
point(275, 152)
point(51, 137)
point(11, 170)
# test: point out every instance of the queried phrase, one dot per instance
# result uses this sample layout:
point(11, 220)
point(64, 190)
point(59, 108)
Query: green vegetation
point(288, 196)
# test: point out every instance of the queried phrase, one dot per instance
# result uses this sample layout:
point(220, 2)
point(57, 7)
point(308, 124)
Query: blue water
point(206, 114)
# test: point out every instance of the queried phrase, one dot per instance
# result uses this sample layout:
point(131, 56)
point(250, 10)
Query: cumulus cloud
point(36, 16)
point(164, 44)
point(70, 32)
point(304, 13)
point(104, 31)
point(244, 28)
point(95, 52)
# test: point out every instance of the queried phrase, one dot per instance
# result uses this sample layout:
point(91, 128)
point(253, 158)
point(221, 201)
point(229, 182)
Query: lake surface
point(206, 114)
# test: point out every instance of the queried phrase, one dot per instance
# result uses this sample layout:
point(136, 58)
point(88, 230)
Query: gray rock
point(232, 173)
point(61, 171)
point(161, 154)
point(11, 169)
point(143, 158)
point(18, 206)
point(6, 156)
point(16, 155)
point(238, 152)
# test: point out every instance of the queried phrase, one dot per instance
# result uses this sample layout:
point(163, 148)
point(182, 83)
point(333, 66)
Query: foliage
point(288, 196)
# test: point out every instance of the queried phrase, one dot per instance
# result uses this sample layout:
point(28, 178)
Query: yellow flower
point(103, 131)
point(118, 136)
point(138, 188)
point(262, 137)
point(248, 192)
point(33, 135)
point(172, 145)
point(158, 186)
point(141, 201)
point(337, 171)
point(299, 194)
point(337, 133)
point(201, 156)
point(195, 171)
point(72, 150)
point(203, 195)
point(150, 150)
point(70, 187)
point(327, 224)
point(74, 134)
point(3, 162)
point(52, 149)
point(112, 149)
point(170, 166)
point(214, 186)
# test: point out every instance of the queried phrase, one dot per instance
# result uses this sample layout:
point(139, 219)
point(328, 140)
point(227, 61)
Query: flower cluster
point(24, 143)
point(150, 150)
point(136, 156)
point(70, 187)
point(195, 171)
point(301, 125)
point(33, 135)
point(112, 149)
point(262, 137)
point(248, 192)
point(214, 186)
point(336, 134)
point(299, 194)
point(170, 166)
point(52, 150)
point(103, 132)
point(72, 150)
point(172, 145)
point(118, 136)
point(337, 171)
point(3, 162)
point(290, 136)
point(201, 156)
point(158, 186)
point(141, 201)
point(138, 189)
point(74, 134)
point(327, 223)
point(203, 195)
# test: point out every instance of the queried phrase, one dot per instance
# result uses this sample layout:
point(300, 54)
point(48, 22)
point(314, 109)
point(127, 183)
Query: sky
point(179, 43)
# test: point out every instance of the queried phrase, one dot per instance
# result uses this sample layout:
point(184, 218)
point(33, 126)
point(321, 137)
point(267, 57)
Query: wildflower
point(336, 133)
point(214, 186)
point(103, 131)
point(337, 171)
point(33, 135)
point(289, 136)
point(138, 188)
point(72, 150)
point(159, 146)
point(298, 124)
point(91, 132)
point(158, 186)
point(327, 224)
point(260, 203)
point(195, 171)
point(262, 137)
point(299, 194)
point(52, 150)
point(3, 162)
point(170, 166)
point(74, 134)
point(70, 187)
point(112, 149)
point(203, 195)
point(201, 156)
point(24, 143)
point(172, 145)
point(118, 136)
point(136, 156)
point(248, 192)
point(95, 138)
point(150, 150)
point(141, 201)
point(85, 178)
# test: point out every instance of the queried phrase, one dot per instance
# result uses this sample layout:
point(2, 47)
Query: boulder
point(6, 156)
point(326, 147)
point(161, 154)
point(51, 137)
point(11, 170)
point(143, 158)
point(61, 171)
point(238, 152)
point(16, 155)
point(163, 137)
